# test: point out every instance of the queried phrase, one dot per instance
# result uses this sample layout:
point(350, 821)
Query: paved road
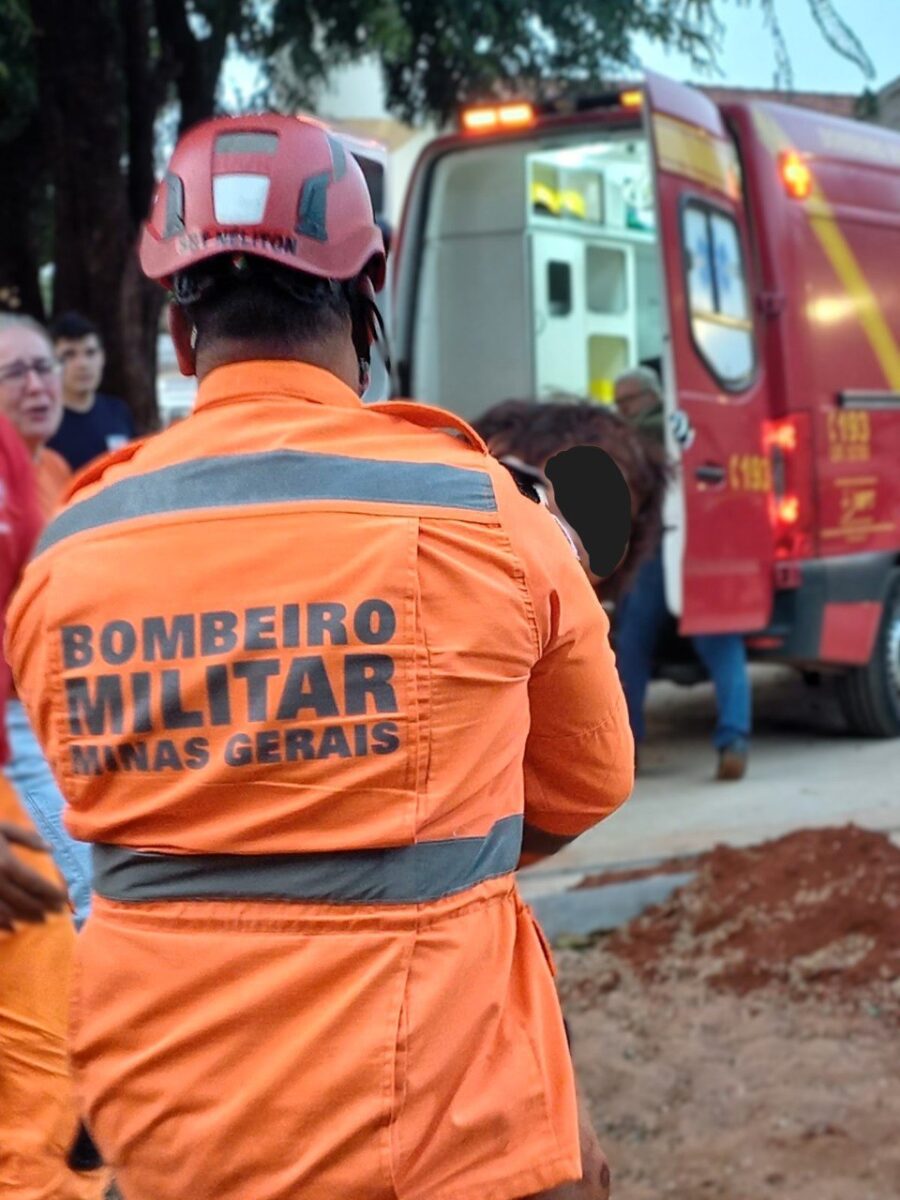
point(804, 771)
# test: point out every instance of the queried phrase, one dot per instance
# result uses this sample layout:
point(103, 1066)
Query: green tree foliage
point(436, 55)
point(84, 85)
point(18, 82)
point(23, 224)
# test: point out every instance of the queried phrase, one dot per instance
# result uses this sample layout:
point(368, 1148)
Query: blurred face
point(544, 488)
point(30, 395)
point(633, 398)
point(82, 362)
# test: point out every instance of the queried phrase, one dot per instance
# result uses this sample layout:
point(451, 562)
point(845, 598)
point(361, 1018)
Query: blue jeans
point(640, 619)
point(29, 773)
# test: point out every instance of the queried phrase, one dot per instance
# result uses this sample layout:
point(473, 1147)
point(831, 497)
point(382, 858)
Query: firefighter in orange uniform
point(315, 678)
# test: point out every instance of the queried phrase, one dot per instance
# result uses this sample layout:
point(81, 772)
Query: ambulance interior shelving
point(540, 271)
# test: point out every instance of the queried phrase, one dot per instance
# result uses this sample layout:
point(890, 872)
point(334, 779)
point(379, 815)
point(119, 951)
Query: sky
point(748, 57)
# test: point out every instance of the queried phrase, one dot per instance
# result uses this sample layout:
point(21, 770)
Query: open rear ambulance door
point(715, 386)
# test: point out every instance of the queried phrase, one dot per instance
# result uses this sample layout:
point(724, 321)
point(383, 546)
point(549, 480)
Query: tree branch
point(187, 60)
point(143, 97)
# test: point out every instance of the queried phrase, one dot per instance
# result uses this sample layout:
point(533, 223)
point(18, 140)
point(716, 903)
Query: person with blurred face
point(525, 435)
point(38, 1117)
point(93, 423)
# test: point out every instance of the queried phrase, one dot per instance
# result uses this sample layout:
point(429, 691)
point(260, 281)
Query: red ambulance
point(750, 251)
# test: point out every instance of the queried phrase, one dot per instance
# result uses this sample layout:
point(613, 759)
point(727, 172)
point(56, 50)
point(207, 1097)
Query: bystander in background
point(93, 423)
point(38, 1117)
point(642, 613)
point(30, 399)
point(532, 433)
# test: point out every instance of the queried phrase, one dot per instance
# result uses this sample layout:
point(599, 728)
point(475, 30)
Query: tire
point(870, 695)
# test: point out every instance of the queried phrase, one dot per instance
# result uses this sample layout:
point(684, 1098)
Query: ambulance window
point(699, 260)
point(717, 294)
point(730, 281)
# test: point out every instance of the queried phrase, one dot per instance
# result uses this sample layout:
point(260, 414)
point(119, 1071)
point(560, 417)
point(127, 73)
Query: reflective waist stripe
point(273, 477)
point(401, 875)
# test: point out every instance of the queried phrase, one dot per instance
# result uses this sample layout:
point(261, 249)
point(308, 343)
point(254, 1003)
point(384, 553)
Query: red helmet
point(280, 188)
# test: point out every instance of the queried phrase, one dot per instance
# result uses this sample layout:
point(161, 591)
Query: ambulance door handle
point(712, 474)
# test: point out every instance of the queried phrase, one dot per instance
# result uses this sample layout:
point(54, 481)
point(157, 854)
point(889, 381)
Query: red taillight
point(787, 445)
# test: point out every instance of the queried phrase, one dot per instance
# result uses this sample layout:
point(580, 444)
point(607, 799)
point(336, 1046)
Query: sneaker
point(732, 762)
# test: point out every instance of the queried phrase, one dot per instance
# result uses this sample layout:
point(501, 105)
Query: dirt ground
point(742, 1041)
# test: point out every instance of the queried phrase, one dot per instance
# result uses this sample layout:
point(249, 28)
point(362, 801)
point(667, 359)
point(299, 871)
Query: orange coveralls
point(38, 1119)
point(312, 676)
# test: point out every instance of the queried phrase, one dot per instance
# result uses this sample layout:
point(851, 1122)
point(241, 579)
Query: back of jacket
point(289, 625)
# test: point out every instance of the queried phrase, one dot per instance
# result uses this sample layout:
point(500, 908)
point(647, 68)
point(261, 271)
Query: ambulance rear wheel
point(870, 695)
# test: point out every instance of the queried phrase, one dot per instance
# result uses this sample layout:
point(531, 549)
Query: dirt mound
point(672, 866)
point(816, 911)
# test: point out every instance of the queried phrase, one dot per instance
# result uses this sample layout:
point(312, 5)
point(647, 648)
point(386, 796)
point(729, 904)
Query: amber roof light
point(490, 118)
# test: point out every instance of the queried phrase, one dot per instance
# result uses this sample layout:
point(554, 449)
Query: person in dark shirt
point(93, 423)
